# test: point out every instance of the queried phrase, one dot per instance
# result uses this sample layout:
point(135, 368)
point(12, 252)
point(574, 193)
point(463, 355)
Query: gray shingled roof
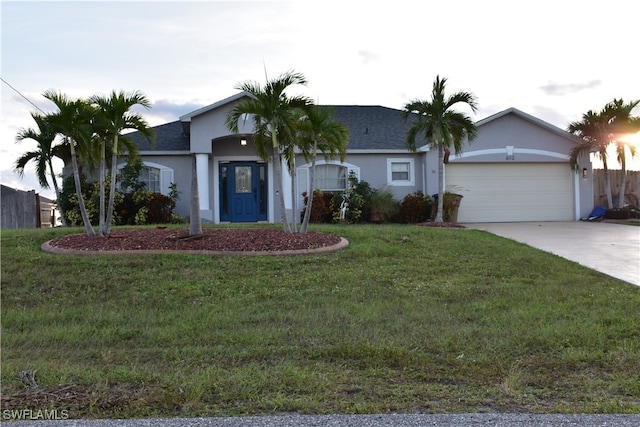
point(370, 128)
point(169, 137)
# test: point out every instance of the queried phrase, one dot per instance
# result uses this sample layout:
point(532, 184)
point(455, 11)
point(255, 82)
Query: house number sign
point(510, 155)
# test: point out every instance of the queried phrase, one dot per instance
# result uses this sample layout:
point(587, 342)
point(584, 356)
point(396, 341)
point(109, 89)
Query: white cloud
point(557, 89)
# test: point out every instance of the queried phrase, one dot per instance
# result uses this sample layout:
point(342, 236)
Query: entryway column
point(202, 166)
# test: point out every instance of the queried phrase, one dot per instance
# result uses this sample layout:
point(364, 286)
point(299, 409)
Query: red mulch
point(219, 239)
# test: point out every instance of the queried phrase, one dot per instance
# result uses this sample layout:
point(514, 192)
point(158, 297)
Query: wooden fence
point(632, 187)
point(24, 209)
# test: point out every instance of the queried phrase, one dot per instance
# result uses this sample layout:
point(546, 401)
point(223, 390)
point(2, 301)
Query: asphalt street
point(395, 420)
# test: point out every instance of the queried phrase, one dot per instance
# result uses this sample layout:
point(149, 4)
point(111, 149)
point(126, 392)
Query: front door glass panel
point(243, 179)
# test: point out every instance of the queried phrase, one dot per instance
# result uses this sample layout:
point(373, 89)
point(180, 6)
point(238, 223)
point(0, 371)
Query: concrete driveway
point(613, 249)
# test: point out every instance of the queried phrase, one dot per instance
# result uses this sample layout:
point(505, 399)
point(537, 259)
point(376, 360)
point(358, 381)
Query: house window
point(151, 178)
point(400, 172)
point(156, 177)
point(329, 177)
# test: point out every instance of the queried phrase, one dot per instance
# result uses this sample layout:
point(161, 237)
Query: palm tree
point(74, 122)
point(274, 118)
point(319, 131)
point(440, 126)
point(114, 116)
point(622, 123)
point(43, 156)
point(592, 129)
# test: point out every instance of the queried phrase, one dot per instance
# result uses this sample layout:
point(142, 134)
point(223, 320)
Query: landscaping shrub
point(160, 209)
point(415, 207)
point(138, 208)
point(383, 206)
point(358, 201)
point(321, 211)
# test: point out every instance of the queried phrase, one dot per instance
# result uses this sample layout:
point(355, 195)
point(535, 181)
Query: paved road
point(457, 420)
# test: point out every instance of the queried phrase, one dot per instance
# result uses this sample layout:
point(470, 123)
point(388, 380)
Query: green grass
point(444, 321)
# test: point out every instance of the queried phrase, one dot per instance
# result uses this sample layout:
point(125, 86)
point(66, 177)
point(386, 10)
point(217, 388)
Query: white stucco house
point(517, 169)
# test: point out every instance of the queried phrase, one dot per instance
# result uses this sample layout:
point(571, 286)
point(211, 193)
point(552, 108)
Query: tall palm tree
point(74, 122)
point(43, 155)
point(594, 131)
point(114, 116)
point(274, 117)
point(319, 131)
point(622, 123)
point(440, 126)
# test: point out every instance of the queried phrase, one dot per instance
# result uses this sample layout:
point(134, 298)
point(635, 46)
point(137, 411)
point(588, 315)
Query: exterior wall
point(513, 139)
point(210, 126)
point(373, 168)
point(181, 165)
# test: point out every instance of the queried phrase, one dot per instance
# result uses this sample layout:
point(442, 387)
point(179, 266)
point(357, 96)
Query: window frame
point(165, 175)
point(411, 179)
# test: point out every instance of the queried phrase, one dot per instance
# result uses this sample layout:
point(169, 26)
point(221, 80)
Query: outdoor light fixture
point(584, 173)
point(243, 142)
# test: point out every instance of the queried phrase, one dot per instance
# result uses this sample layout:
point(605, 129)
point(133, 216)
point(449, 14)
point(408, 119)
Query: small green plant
point(174, 194)
point(382, 205)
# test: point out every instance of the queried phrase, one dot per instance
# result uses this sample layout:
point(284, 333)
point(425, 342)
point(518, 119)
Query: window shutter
point(166, 178)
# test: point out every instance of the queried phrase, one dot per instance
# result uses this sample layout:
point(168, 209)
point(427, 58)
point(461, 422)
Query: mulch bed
point(218, 240)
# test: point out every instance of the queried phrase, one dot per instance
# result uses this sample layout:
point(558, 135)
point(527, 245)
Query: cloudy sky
point(552, 59)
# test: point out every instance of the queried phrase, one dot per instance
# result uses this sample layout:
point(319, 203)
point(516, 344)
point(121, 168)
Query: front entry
point(243, 192)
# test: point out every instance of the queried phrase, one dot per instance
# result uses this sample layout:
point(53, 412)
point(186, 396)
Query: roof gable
point(187, 117)
point(529, 118)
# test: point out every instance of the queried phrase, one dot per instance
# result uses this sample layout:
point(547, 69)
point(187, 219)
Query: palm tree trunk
point(438, 217)
point(623, 177)
point(112, 186)
point(607, 183)
point(307, 212)
point(76, 178)
point(294, 210)
point(277, 172)
point(57, 190)
point(195, 222)
point(103, 165)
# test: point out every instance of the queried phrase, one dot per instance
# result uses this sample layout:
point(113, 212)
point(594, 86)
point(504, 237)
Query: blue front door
point(243, 192)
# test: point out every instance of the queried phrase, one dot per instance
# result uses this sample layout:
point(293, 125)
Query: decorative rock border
point(47, 247)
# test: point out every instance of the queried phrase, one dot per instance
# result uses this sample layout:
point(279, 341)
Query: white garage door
point(498, 192)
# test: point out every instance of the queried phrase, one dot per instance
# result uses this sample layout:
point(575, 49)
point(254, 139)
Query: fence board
point(632, 187)
point(19, 209)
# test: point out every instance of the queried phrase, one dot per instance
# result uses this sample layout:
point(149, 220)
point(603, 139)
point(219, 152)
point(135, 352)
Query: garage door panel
point(513, 192)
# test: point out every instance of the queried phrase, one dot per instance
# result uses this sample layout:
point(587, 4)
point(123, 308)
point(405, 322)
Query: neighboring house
point(517, 169)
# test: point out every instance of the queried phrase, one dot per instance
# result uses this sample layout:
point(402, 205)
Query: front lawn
point(405, 319)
